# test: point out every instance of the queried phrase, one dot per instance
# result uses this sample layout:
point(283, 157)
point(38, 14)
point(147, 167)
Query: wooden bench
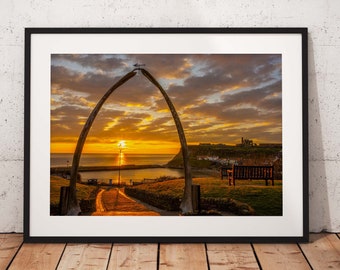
point(248, 173)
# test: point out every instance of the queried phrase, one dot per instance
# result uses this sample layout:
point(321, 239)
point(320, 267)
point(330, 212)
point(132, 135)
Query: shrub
point(161, 201)
point(209, 206)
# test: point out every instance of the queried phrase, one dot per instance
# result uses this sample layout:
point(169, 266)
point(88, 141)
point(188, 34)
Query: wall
point(321, 17)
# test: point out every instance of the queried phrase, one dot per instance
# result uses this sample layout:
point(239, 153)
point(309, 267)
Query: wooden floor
point(323, 252)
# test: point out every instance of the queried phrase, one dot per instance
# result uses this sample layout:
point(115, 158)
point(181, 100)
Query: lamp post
point(120, 146)
point(67, 169)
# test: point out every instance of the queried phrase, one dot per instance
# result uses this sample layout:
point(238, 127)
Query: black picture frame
point(39, 43)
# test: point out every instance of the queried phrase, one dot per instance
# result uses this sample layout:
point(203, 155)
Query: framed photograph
point(166, 135)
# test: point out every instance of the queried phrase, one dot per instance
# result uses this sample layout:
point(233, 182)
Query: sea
point(122, 176)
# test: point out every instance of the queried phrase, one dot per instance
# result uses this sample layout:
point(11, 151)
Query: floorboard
point(231, 256)
point(85, 256)
point(37, 256)
point(9, 245)
point(134, 256)
point(281, 257)
point(183, 256)
point(323, 251)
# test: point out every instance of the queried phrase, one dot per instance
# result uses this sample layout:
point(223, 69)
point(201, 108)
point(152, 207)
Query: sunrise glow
point(219, 98)
point(121, 144)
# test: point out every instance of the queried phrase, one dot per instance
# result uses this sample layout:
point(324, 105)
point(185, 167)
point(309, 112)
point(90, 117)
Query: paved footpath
point(114, 202)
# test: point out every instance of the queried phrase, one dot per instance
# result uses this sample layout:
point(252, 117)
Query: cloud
point(225, 73)
point(167, 66)
point(95, 62)
point(268, 97)
point(219, 98)
point(92, 85)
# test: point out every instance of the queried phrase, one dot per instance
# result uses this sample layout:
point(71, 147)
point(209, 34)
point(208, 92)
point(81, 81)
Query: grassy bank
point(265, 200)
point(257, 155)
point(84, 192)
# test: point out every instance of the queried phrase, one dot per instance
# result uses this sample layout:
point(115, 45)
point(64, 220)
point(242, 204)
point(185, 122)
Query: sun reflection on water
point(121, 159)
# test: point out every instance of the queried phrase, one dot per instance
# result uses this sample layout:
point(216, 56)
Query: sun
point(121, 144)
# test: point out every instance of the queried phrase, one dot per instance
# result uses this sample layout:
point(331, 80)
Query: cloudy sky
point(219, 98)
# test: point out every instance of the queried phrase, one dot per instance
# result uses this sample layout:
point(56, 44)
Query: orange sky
point(132, 146)
point(219, 98)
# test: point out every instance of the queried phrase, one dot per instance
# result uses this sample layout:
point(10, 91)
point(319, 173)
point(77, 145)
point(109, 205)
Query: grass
point(265, 200)
point(83, 191)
